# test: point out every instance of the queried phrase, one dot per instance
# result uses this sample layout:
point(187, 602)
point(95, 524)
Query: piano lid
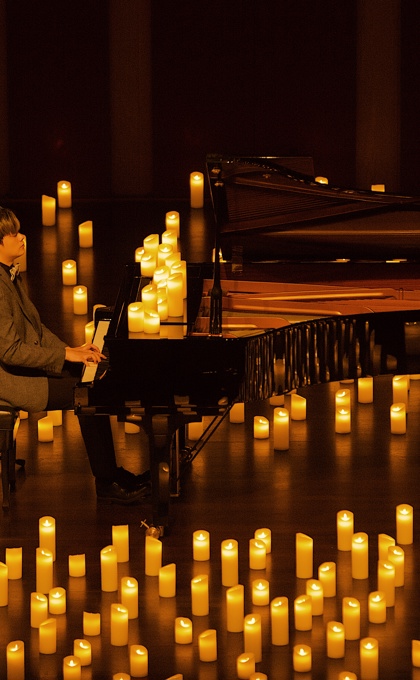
point(267, 211)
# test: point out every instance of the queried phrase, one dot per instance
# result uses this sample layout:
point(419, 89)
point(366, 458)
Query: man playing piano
point(38, 371)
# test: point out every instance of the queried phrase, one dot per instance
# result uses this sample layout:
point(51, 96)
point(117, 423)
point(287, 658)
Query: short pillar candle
point(15, 659)
point(207, 645)
point(279, 616)
point(302, 658)
point(253, 636)
point(304, 556)
point(335, 640)
point(201, 545)
point(351, 618)
point(360, 555)
point(369, 658)
point(196, 190)
point(229, 554)
point(183, 630)
point(119, 625)
point(327, 575)
point(139, 661)
point(261, 427)
point(72, 668)
point(245, 666)
point(404, 521)
point(345, 529)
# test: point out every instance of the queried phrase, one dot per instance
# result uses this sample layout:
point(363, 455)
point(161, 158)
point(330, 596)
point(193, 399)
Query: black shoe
point(113, 492)
point(131, 481)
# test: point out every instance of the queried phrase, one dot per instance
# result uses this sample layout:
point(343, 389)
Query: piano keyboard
point(90, 372)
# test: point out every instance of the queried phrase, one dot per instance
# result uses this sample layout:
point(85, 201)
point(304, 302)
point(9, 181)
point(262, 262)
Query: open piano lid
point(266, 211)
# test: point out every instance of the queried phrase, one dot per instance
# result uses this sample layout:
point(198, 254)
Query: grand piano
point(246, 334)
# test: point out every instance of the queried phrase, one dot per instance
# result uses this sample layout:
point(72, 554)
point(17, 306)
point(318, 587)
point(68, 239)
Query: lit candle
point(260, 592)
point(64, 194)
point(172, 221)
point(395, 555)
point(253, 636)
point(400, 387)
point(135, 312)
point(261, 427)
point(321, 180)
point(119, 625)
point(335, 640)
point(69, 272)
point(15, 654)
point(89, 331)
point(162, 305)
point(345, 529)
point(77, 565)
point(138, 253)
point(281, 429)
point(347, 675)
point(257, 554)
point(57, 601)
point(377, 187)
point(302, 658)
point(297, 407)
point(365, 390)
point(245, 666)
point(151, 244)
point(196, 189)
point(369, 658)
point(47, 633)
point(201, 545)
point(153, 556)
point(170, 238)
point(14, 563)
point(57, 420)
point(109, 569)
point(195, 430)
point(327, 575)
point(91, 623)
point(304, 556)
point(130, 596)
point(200, 595)
point(123, 676)
point(164, 250)
point(315, 590)
point(86, 234)
point(139, 661)
point(83, 650)
point(120, 541)
point(183, 630)
point(264, 535)
point(80, 300)
point(180, 267)
point(149, 297)
point(151, 322)
point(207, 645)
point(404, 519)
point(48, 210)
point(229, 551)
point(72, 668)
point(148, 265)
point(398, 418)
point(343, 399)
point(4, 585)
point(44, 570)
point(343, 420)
point(377, 607)
point(39, 609)
point(161, 273)
point(384, 542)
point(351, 618)
point(45, 429)
point(175, 295)
point(46, 531)
point(237, 413)
point(235, 609)
point(279, 617)
point(167, 580)
point(302, 607)
point(360, 555)
point(386, 581)
point(415, 653)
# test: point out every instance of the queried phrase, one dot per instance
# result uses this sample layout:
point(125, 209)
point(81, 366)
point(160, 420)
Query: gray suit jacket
point(29, 352)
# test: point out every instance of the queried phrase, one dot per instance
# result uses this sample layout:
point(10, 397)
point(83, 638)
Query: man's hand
point(85, 354)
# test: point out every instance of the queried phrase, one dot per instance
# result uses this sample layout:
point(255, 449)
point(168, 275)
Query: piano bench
point(9, 424)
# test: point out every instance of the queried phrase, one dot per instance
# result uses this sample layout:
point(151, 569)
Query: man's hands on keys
point(86, 354)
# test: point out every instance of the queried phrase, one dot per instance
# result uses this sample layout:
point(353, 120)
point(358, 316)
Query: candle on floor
point(327, 575)
point(80, 300)
point(260, 592)
point(195, 430)
point(343, 399)
point(85, 230)
point(207, 645)
point(200, 595)
point(304, 556)
point(64, 194)
point(345, 529)
point(139, 661)
point(297, 407)
point(57, 420)
point(45, 429)
point(335, 640)
point(109, 569)
point(342, 420)
point(47, 633)
point(196, 190)
point(279, 618)
point(235, 609)
point(281, 429)
point(201, 545)
point(264, 535)
point(400, 387)
point(135, 311)
point(351, 618)
point(120, 541)
point(398, 418)
point(302, 607)
point(39, 609)
point(377, 607)
point(4, 585)
point(384, 542)
point(245, 666)
point(253, 636)
point(83, 650)
point(315, 590)
point(119, 625)
point(57, 601)
point(365, 390)
point(91, 623)
point(153, 556)
point(360, 555)
point(172, 221)
point(48, 210)
point(404, 521)
point(415, 653)
point(44, 570)
point(257, 554)
point(386, 581)
point(15, 659)
point(396, 555)
point(261, 427)
point(167, 580)
point(69, 272)
point(302, 658)
point(130, 596)
point(14, 563)
point(237, 413)
point(46, 531)
point(77, 565)
point(183, 630)
point(72, 668)
point(369, 658)
point(229, 552)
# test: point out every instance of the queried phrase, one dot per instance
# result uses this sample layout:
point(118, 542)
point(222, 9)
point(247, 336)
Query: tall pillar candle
point(345, 529)
point(253, 636)
point(360, 555)
point(302, 658)
point(315, 590)
point(377, 607)
point(229, 555)
point(398, 418)
point(121, 542)
point(47, 534)
point(384, 542)
point(245, 665)
point(297, 407)
point(119, 625)
point(369, 658)
point(139, 661)
point(196, 190)
point(109, 569)
point(327, 575)
point(281, 429)
point(201, 546)
point(404, 521)
point(83, 650)
point(335, 640)
point(302, 607)
point(351, 617)
point(207, 645)
point(130, 596)
point(365, 390)
point(200, 595)
point(415, 653)
point(44, 570)
point(386, 581)
point(257, 554)
point(304, 556)
point(167, 580)
point(39, 609)
point(4, 585)
point(64, 194)
point(237, 413)
point(80, 300)
point(48, 210)
point(15, 660)
point(47, 633)
point(180, 267)
point(14, 563)
point(343, 399)
point(279, 617)
point(400, 389)
point(175, 295)
point(153, 556)
point(235, 609)
point(86, 234)
point(264, 534)
point(396, 555)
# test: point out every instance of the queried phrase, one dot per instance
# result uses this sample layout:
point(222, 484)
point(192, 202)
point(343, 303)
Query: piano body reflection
point(270, 338)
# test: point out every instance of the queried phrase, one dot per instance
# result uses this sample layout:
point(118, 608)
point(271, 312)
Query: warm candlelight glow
point(80, 300)
point(69, 272)
point(64, 194)
point(196, 190)
point(86, 234)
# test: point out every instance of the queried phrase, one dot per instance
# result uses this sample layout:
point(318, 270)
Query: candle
point(138, 253)
point(83, 650)
point(47, 633)
point(302, 658)
point(297, 407)
point(279, 617)
point(245, 666)
point(207, 645)
point(39, 609)
point(196, 189)
point(253, 636)
point(398, 418)
point(4, 584)
point(86, 234)
point(365, 390)
point(257, 554)
point(360, 556)
point(404, 519)
point(343, 399)
point(149, 297)
point(57, 420)
point(69, 272)
point(46, 530)
point(120, 541)
point(119, 625)
point(258, 676)
point(384, 542)
point(45, 429)
point(235, 609)
point(164, 250)
point(415, 653)
point(345, 529)
point(151, 322)
point(397, 557)
point(281, 429)
point(48, 210)
point(14, 563)
point(139, 661)
point(167, 580)
point(130, 596)
point(77, 565)
point(347, 675)
point(89, 331)
point(315, 590)
point(335, 640)
point(135, 312)
point(44, 570)
point(172, 221)
point(161, 273)
point(175, 295)
point(369, 658)
point(151, 244)
point(180, 267)
point(64, 194)
point(91, 623)
point(148, 264)
point(229, 551)
point(327, 575)
point(303, 612)
point(386, 581)
point(400, 387)
point(261, 427)
point(170, 238)
point(343, 420)
point(377, 607)
point(153, 556)
point(200, 595)
point(162, 305)
point(304, 556)
point(260, 592)
point(351, 618)
point(57, 601)
point(264, 535)
point(201, 546)
point(123, 676)
point(237, 413)
point(377, 187)
point(183, 630)
point(72, 668)
point(15, 654)
point(109, 569)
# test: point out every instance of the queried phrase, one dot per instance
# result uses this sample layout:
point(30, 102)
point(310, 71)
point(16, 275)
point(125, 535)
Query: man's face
point(11, 247)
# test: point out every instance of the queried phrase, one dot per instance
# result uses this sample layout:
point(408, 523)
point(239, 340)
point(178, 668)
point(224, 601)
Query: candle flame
point(386, 565)
point(315, 586)
point(131, 584)
point(252, 620)
point(302, 651)
point(139, 651)
point(261, 586)
point(56, 594)
point(229, 546)
point(79, 291)
point(201, 537)
point(244, 659)
point(352, 604)
point(184, 624)
point(260, 544)
point(404, 510)
point(73, 663)
point(359, 539)
point(337, 629)
point(46, 522)
point(377, 598)
point(63, 185)
point(345, 517)
point(369, 645)
point(14, 648)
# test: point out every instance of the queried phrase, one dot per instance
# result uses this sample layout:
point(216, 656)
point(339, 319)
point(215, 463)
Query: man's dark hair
point(9, 223)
